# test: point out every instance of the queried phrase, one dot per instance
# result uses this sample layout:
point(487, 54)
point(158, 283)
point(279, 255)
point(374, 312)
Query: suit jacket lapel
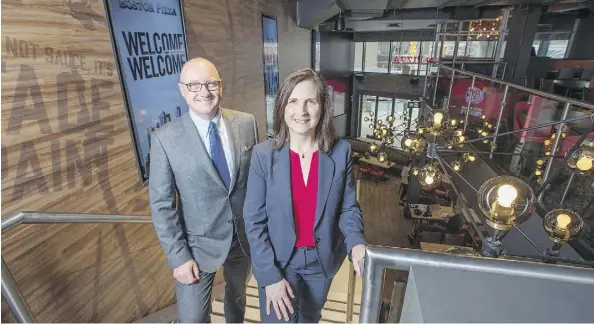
point(282, 171)
point(233, 134)
point(198, 150)
point(325, 175)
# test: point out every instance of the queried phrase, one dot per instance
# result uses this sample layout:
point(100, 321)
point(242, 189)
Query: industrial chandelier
point(385, 133)
point(505, 201)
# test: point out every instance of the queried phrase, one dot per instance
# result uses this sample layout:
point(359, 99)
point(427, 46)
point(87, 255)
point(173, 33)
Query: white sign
point(150, 44)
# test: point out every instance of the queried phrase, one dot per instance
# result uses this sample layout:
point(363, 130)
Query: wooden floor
point(384, 222)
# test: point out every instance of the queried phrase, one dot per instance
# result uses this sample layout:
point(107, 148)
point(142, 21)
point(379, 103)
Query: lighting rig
point(505, 201)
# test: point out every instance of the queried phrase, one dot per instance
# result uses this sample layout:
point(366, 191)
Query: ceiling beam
point(311, 13)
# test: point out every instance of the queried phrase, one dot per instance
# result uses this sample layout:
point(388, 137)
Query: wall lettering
point(28, 157)
point(82, 156)
point(21, 48)
point(56, 56)
point(78, 84)
point(79, 156)
point(27, 85)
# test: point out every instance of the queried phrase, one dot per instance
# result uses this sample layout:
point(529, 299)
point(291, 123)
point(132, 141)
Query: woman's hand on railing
point(358, 255)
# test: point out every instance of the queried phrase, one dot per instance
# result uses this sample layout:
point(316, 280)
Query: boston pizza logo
point(475, 94)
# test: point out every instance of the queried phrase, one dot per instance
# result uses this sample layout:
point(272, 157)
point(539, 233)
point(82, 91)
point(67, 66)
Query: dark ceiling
point(387, 15)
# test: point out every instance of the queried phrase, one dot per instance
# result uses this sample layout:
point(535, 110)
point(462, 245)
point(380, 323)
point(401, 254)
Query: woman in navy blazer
point(301, 212)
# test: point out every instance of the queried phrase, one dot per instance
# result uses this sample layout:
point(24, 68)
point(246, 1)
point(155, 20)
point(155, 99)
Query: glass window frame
point(422, 68)
point(376, 94)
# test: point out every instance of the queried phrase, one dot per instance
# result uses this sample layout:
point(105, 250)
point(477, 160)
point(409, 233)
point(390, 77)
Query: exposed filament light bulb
point(506, 195)
point(456, 165)
point(563, 221)
point(437, 118)
point(429, 180)
point(408, 142)
point(584, 163)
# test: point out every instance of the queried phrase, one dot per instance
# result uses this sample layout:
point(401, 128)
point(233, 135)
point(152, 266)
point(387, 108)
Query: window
point(384, 108)
point(405, 57)
point(409, 58)
point(359, 56)
point(470, 49)
point(557, 49)
point(552, 44)
point(375, 108)
point(367, 107)
point(377, 57)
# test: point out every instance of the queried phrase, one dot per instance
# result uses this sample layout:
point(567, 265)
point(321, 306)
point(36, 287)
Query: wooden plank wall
point(66, 147)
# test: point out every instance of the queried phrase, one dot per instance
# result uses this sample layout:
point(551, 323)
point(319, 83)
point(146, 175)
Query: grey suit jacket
point(198, 223)
point(268, 211)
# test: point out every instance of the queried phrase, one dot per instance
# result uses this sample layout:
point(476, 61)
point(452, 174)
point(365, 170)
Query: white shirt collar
point(203, 123)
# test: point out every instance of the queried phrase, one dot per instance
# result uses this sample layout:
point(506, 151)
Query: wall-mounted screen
point(149, 41)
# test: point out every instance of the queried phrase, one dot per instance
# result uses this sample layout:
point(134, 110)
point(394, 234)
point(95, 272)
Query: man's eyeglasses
point(197, 86)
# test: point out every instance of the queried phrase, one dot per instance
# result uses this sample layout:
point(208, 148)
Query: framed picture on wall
point(149, 43)
point(270, 58)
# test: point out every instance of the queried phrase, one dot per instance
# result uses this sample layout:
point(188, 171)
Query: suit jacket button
point(230, 221)
point(318, 240)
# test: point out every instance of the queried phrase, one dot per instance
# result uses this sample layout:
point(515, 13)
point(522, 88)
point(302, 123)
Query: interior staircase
point(334, 310)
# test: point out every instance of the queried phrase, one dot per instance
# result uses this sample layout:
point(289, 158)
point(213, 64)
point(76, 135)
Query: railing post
point(558, 136)
point(371, 298)
point(13, 296)
point(350, 302)
point(426, 84)
point(447, 109)
point(567, 189)
point(506, 89)
point(469, 103)
point(351, 294)
point(457, 44)
point(435, 86)
point(501, 38)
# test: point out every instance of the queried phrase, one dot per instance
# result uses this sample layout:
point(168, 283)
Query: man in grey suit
point(197, 182)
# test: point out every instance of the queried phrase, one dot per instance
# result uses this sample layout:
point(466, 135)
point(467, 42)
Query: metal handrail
point(352, 279)
point(539, 93)
point(379, 258)
point(350, 304)
point(444, 62)
point(10, 290)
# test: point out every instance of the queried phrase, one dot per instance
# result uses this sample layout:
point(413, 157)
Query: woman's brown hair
point(325, 134)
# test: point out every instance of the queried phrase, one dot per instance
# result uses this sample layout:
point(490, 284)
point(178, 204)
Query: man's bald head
point(201, 86)
point(199, 69)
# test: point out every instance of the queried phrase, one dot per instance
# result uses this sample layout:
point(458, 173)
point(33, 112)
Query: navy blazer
point(268, 211)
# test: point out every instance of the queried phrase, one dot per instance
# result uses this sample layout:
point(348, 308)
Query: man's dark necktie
point(217, 154)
